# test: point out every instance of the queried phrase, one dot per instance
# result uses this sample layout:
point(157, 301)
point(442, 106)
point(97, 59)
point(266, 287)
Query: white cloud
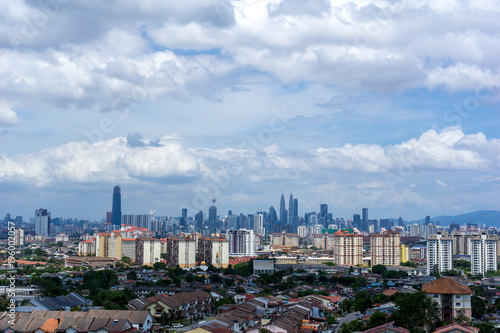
point(8, 117)
point(386, 47)
point(112, 160)
point(440, 183)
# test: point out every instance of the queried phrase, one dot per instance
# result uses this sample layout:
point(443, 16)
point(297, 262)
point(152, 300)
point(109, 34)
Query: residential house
point(451, 296)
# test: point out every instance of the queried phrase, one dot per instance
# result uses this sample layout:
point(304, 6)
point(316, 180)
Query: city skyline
point(390, 106)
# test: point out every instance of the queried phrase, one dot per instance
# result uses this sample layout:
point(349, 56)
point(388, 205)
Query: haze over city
point(387, 105)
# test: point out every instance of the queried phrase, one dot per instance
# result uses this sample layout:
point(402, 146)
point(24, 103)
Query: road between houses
point(346, 319)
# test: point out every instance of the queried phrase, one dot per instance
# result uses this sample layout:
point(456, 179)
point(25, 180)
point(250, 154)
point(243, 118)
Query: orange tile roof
point(446, 286)
point(50, 325)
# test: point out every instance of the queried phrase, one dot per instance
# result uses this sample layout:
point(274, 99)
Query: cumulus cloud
point(160, 49)
point(133, 158)
point(8, 117)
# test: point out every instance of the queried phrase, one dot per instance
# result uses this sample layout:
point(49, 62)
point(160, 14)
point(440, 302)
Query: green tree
point(461, 264)
point(451, 273)
point(345, 328)
point(116, 300)
point(360, 283)
point(95, 280)
point(376, 319)
point(159, 265)
point(378, 269)
point(362, 301)
point(132, 275)
point(409, 264)
point(416, 311)
point(461, 318)
point(486, 327)
point(478, 307)
point(330, 319)
point(50, 286)
point(127, 260)
point(39, 252)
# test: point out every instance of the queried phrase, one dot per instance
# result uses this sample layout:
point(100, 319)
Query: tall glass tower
point(116, 214)
point(283, 213)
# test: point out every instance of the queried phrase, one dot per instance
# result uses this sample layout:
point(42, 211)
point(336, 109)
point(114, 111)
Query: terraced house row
point(102, 321)
point(185, 305)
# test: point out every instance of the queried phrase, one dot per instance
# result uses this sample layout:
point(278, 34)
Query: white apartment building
point(303, 231)
point(483, 251)
point(439, 253)
point(241, 242)
point(258, 224)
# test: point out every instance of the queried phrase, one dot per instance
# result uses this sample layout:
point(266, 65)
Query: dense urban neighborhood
point(286, 288)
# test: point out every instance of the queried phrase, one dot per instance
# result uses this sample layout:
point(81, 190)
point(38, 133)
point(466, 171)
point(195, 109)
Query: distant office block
point(42, 222)
point(116, 214)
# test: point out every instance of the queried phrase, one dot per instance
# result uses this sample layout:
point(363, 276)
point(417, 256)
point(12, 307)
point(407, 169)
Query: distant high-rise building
point(364, 219)
point(454, 226)
point(241, 242)
point(296, 207)
point(401, 223)
point(356, 221)
point(291, 210)
point(42, 222)
point(109, 217)
point(323, 214)
point(212, 215)
point(427, 220)
point(116, 215)
point(198, 218)
point(283, 214)
point(386, 224)
point(416, 230)
point(273, 218)
point(258, 224)
point(232, 222)
point(183, 219)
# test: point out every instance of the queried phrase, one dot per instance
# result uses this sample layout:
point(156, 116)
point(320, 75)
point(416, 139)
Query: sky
point(389, 105)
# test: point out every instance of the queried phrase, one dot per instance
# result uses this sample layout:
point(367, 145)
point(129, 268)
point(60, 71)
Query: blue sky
point(387, 105)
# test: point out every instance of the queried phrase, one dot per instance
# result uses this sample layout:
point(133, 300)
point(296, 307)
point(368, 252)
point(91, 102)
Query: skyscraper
point(272, 215)
point(199, 219)
point(283, 214)
point(116, 214)
point(401, 223)
point(356, 221)
point(295, 207)
point(42, 222)
point(365, 219)
point(183, 219)
point(323, 213)
point(212, 216)
point(291, 210)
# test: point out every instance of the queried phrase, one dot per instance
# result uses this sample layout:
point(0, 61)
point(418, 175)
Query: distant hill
point(488, 217)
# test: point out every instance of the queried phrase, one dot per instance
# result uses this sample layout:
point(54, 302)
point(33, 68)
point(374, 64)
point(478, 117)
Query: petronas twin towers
point(289, 216)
